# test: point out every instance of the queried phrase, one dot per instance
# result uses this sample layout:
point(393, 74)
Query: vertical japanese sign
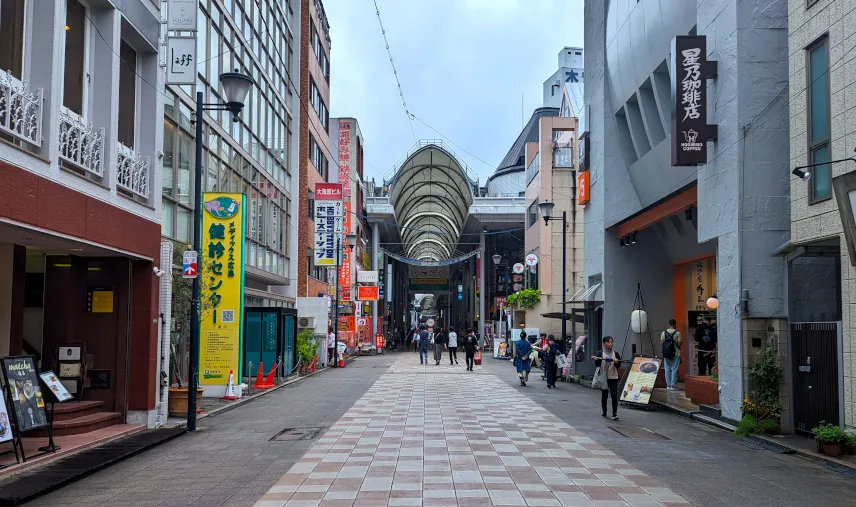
point(328, 222)
point(221, 275)
point(345, 156)
point(689, 100)
point(583, 182)
point(345, 268)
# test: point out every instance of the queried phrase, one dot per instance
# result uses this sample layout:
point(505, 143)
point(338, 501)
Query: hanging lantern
point(713, 302)
point(639, 321)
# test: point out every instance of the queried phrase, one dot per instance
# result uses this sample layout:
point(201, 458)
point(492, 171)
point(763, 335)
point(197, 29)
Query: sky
point(464, 66)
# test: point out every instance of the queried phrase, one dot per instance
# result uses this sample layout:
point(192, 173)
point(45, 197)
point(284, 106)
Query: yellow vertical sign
point(221, 278)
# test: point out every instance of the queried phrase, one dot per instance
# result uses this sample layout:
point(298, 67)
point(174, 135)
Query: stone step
point(81, 424)
point(74, 409)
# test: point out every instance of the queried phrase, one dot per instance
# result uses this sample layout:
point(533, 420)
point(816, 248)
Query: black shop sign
point(690, 130)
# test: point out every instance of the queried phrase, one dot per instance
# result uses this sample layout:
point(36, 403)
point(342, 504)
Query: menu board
point(25, 392)
point(5, 422)
point(59, 391)
point(640, 380)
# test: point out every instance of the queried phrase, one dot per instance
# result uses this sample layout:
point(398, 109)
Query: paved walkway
point(438, 436)
point(234, 457)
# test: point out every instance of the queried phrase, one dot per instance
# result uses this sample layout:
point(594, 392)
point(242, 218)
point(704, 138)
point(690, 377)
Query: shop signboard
point(367, 293)
point(328, 222)
point(25, 392)
point(428, 284)
point(5, 421)
point(379, 342)
point(221, 275)
point(181, 60)
point(389, 283)
point(181, 15)
point(583, 185)
point(57, 389)
point(640, 380)
point(691, 70)
point(367, 277)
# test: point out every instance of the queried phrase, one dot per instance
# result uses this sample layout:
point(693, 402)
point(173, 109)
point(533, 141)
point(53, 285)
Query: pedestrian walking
point(607, 359)
point(541, 347)
point(453, 346)
point(331, 346)
point(550, 362)
point(439, 344)
point(522, 349)
point(423, 344)
point(470, 345)
point(671, 341)
point(705, 338)
point(415, 337)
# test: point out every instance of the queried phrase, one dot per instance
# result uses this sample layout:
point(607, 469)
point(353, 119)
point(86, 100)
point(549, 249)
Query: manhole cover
point(638, 433)
point(297, 434)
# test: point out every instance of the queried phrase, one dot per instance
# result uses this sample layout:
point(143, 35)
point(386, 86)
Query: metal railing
point(132, 171)
point(390, 175)
point(80, 144)
point(20, 109)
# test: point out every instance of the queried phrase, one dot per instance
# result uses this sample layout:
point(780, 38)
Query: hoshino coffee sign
point(691, 69)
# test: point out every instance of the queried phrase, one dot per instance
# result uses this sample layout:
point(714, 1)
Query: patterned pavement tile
point(416, 438)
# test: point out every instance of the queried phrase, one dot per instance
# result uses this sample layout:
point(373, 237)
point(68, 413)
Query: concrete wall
point(316, 307)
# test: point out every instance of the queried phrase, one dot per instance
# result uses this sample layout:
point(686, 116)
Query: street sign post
point(189, 266)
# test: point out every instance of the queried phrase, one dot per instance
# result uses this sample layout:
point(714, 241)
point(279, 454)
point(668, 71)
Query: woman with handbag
point(522, 350)
point(606, 376)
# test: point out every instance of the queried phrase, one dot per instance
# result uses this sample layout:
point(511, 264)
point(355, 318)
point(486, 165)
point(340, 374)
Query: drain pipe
point(165, 338)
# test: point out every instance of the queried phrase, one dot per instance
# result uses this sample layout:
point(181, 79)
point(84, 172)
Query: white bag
point(561, 361)
point(599, 379)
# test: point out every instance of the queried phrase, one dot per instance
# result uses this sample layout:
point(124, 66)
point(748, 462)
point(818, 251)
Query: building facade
point(682, 234)
point(81, 105)
point(256, 155)
point(316, 159)
point(821, 273)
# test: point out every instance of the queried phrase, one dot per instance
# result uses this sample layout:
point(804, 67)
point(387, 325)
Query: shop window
point(127, 93)
point(12, 35)
point(76, 61)
point(820, 185)
point(532, 214)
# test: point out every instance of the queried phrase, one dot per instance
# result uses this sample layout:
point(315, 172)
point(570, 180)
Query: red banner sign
point(367, 293)
point(328, 192)
point(378, 338)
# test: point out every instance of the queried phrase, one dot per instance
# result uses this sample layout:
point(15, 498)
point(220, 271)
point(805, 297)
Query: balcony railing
point(20, 109)
point(132, 171)
point(80, 144)
point(563, 157)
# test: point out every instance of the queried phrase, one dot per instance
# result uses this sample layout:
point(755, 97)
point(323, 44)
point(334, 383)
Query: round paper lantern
point(713, 302)
point(639, 321)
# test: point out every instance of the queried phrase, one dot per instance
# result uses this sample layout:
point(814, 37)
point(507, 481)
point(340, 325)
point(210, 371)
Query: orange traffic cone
point(269, 379)
point(341, 361)
point(230, 387)
point(260, 383)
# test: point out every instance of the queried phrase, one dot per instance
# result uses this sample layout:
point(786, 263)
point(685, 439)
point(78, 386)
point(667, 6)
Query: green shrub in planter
point(751, 426)
point(306, 347)
point(830, 434)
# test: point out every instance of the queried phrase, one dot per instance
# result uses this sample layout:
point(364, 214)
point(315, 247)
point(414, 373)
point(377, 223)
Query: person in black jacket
point(439, 343)
point(705, 338)
point(470, 345)
point(608, 360)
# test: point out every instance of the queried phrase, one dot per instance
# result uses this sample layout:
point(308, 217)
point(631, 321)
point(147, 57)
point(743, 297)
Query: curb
point(250, 398)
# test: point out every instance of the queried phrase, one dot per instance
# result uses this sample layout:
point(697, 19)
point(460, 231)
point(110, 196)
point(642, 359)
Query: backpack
point(669, 348)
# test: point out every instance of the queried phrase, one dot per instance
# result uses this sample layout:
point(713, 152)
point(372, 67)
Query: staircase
point(76, 417)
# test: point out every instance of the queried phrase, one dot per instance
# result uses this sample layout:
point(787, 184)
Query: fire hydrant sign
point(189, 267)
point(222, 290)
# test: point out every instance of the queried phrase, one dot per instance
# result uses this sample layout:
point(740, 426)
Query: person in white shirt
point(331, 346)
point(453, 346)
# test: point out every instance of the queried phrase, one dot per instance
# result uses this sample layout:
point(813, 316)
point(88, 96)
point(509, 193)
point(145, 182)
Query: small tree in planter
point(761, 414)
point(831, 439)
point(306, 347)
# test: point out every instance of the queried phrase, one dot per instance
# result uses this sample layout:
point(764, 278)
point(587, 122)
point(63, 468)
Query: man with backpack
point(671, 341)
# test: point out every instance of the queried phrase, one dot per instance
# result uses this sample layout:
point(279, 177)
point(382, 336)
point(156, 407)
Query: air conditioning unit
point(305, 322)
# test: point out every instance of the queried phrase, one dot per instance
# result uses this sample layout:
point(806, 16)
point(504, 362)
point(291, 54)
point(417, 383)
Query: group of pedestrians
point(548, 350)
point(444, 339)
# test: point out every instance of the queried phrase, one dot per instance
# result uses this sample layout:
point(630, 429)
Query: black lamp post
point(546, 208)
point(236, 86)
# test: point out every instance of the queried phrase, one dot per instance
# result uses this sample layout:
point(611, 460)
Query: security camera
point(801, 174)
point(158, 272)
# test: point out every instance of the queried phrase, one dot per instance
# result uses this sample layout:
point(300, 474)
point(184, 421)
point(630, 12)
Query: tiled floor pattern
point(439, 436)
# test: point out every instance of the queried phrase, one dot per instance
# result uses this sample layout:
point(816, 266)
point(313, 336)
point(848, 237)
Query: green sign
point(428, 284)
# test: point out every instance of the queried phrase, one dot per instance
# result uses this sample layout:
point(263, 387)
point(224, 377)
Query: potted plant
point(831, 438)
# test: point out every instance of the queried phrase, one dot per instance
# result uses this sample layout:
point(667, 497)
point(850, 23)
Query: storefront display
point(640, 380)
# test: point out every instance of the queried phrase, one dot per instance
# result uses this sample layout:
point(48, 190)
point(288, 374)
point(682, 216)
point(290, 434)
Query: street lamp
point(236, 86)
point(546, 208)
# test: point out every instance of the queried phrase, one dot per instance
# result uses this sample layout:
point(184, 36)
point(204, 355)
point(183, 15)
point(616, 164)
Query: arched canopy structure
point(431, 195)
